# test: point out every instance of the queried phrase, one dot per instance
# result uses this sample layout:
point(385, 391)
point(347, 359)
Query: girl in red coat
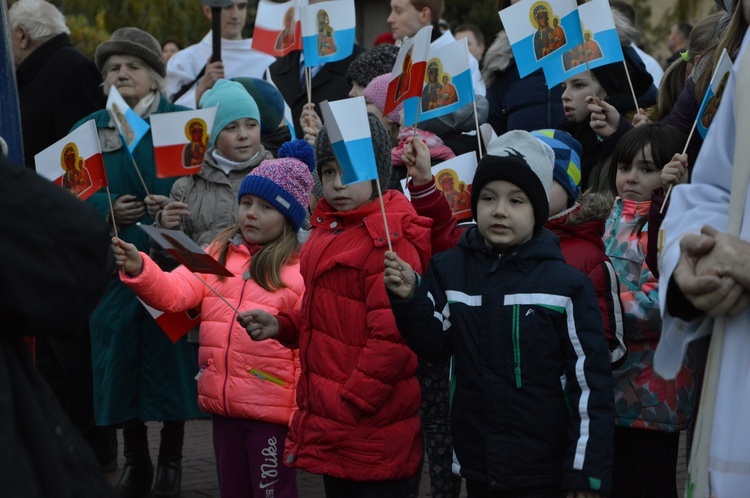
point(358, 419)
point(248, 388)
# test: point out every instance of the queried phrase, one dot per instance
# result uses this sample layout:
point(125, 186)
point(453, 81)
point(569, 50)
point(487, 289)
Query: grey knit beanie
point(519, 158)
point(135, 42)
point(371, 63)
point(381, 144)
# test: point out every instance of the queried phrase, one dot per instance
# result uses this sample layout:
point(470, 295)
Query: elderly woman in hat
point(139, 374)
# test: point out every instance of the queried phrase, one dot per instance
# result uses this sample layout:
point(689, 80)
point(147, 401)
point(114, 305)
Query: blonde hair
point(266, 264)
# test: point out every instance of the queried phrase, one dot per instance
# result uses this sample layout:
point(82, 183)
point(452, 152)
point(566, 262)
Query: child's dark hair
point(266, 264)
point(665, 141)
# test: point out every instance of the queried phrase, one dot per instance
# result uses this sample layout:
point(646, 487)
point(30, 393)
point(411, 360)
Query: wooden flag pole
point(479, 133)
point(111, 210)
point(217, 294)
point(669, 190)
point(139, 175)
point(308, 80)
point(385, 221)
point(630, 83)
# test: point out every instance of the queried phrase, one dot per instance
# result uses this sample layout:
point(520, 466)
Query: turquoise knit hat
point(234, 103)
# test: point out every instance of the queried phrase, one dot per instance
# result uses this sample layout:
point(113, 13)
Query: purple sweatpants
point(249, 457)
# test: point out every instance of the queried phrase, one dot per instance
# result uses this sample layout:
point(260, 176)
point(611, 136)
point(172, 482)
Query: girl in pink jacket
point(247, 387)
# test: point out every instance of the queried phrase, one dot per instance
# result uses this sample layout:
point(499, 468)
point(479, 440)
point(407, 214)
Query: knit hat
point(614, 81)
point(285, 182)
point(385, 38)
point(269, 101)
point(381, 144)
point(519, 158)
point(375, 92)
point(567, 159)
point(135, 42)
point(371, 63)
point(234, 103)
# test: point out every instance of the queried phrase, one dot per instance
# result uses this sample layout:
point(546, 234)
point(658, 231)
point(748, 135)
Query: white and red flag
point(74, 162)
point(277, 27)
point(181, 140)
point(175, 324)
point(407, 76)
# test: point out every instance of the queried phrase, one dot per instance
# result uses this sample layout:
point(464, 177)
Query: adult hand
point(214, 72)
point(707, 291)
point(729, 257)
point(171, 214)
point(399, 277)
point(260, 325)
point(127, 257)
point(605, 120)
point(127, 210)
point(675, 171)
point(417, 160)
point(155, 203)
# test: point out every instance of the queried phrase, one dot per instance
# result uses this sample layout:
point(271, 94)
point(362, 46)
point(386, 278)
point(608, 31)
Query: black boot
point(169, 469)
point(138, 471)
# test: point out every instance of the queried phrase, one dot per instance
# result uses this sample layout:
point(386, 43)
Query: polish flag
point(277, 28)
point(408, 72)
point(74, 162)
point(175, 324)
point(181, 140)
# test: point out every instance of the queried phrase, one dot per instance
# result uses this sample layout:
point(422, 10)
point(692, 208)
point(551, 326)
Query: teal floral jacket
point(643, 400)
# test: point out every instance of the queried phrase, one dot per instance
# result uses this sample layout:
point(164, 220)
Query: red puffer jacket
point(580, 230)
point(358, 398)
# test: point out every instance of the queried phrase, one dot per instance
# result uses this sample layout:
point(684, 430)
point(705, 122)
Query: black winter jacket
point(533, 400)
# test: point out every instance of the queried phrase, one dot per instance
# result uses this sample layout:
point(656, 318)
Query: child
point(650, 411)
point(599, 135)
point(532, 410)
point(248, 388)
point(358, 418)
point(202, 205)
point(578, 220)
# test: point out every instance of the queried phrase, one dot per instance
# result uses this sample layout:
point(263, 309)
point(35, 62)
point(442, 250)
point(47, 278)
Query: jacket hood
point(498, 58)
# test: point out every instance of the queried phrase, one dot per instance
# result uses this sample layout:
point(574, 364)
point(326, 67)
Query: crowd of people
point(517, 354)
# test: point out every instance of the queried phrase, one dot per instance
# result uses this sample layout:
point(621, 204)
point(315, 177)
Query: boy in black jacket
point(532, 410)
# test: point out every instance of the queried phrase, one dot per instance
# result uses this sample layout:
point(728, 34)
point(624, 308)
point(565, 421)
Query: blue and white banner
point(447, 84)
point(349, 131)
point(600, 45)
point(328, 30)
point(714, 93)
point(539, 29)
point(131, 126)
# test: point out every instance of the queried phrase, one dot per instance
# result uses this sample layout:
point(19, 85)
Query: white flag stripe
point(49, 163)
point(340, 16)
point(421, 43)
point(517, 19)
point(169, 128)
point(346, 119)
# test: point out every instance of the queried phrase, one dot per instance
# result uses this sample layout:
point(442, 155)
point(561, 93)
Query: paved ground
point(199, 474)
